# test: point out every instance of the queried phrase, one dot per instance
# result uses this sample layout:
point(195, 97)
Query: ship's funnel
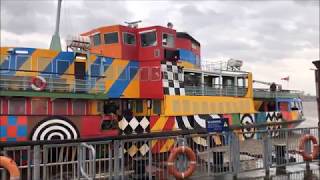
point(55, 41)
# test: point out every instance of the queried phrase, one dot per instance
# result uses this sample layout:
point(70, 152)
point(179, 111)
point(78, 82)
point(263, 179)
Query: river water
point(310, 113)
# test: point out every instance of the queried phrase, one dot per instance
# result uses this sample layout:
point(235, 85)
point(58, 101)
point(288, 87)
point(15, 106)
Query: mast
point(55, 41)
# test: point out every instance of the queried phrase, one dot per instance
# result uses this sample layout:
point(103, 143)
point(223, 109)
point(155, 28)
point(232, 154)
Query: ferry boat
point(126, 80)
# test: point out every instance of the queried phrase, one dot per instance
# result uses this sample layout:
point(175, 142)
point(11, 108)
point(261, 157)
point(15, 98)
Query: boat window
point(148, 39)
point(271, 106)
point(96, 39)
point(17, 106)
point(79, 107)
point(198, 61)
point(294, 106)
point(283, 106)
point(22, 63)
point(144, 74)
point(62, 66)
point(39, 106)
point(95, 70)
point(194, 45)
point(139, 106)
point(60, 107)
point(129, 38)
point(167, 40)
point(111, 38)
point(155, 74)
point(156, 106)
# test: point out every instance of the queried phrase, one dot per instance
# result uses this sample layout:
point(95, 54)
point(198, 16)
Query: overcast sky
point(275, 39)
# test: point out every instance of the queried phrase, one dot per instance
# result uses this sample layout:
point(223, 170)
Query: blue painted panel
point(187, 55)
point(124, 79)
point(96, 68)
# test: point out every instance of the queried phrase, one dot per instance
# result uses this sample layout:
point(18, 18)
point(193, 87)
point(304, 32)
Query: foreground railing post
point(234, 154)
point(36, 162)
point(266, 153)
point(317, 79)
point(116, 159)
point(150, 160)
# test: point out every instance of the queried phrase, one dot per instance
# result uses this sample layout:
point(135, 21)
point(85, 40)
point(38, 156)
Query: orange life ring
point(38, 83)
point(172, 158)
point(11, 166)
point(315, 150)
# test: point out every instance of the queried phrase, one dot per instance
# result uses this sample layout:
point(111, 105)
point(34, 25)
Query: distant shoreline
point(309, 98)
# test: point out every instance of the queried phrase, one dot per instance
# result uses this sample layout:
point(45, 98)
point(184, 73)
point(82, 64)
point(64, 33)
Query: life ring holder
point(35, 85)
point(172, 158)
point(315, 150)
point(11, 166)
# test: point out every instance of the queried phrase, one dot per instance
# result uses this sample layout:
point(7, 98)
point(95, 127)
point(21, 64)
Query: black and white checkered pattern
point(172, 78)
point(134, 149)
point(134, 125)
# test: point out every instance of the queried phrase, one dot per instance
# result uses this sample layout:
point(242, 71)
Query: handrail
point(53, 84)
point(44, 72)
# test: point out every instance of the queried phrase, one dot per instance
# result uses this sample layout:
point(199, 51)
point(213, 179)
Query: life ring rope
point(315, 148)
point(191, 164)
point(11, 166)
point(35, 85)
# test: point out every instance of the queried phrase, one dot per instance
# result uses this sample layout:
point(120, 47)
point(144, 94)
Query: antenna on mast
point(55, 41)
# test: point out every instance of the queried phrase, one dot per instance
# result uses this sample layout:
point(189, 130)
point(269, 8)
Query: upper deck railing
point(215, 91)
point(54, 82)
point(266, 93)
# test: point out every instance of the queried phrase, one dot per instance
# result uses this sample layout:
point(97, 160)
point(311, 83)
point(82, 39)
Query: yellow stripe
point(153, 143)
point(3, 53)
point(167, 146)
point(43, 57)
point(133, 89)
point(158, 126)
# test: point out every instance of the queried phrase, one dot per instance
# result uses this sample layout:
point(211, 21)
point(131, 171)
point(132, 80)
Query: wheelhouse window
point(156, 106)
point(79, 107)
point(17, 106)
point(60, 107)
point(111, 38)
point(139, 106)
point(129, 38)
point(148, 39)
point(96, 39)
point(39, 106)
point(167, 40)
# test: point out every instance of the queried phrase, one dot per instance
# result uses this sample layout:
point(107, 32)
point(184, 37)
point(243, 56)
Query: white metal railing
point(54, 84)
point(266, 93)
point(216, 91)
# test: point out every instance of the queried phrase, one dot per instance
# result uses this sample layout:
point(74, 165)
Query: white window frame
point(168, 34)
